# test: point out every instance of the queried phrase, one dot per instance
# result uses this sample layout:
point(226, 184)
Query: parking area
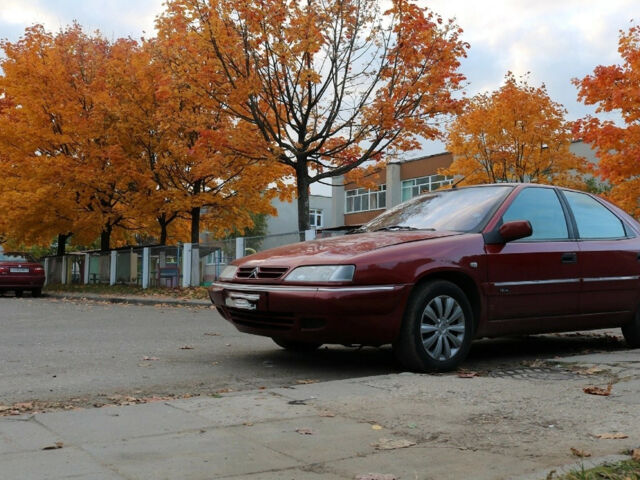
point(189, 397)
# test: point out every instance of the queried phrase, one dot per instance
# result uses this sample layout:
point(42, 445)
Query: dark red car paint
point(330, 313)
point(33, 279)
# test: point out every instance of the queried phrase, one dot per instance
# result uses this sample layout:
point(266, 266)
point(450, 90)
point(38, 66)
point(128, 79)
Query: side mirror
point(508, 232)
point(515, 230)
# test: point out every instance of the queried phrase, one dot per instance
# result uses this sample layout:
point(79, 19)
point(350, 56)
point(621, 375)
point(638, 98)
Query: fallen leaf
point(376, 427)
point(211, 334)
point(635, 454)
point(611, 436)
point(467, 374)
point(593, 390)
point(590, 371)
point(376, 476)
point(304, 431)
point(186, 347)
point(55, 446)
point(327, 414)
point(248, 424)
point(150, 359)
point(392, 444)
point(306, 382)
point(580, 453)
point(5, 408)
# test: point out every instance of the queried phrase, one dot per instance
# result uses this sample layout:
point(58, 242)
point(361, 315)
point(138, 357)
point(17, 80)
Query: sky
point(551, 40)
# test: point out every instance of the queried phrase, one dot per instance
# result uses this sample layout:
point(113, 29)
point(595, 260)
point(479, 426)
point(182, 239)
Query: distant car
point(435, 272)
point(20, 272)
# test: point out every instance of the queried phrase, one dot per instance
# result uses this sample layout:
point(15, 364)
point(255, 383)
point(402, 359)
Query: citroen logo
point(254, 273)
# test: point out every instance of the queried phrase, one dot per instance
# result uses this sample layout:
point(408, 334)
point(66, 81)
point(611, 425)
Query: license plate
point(245, 301)
point(18, 270)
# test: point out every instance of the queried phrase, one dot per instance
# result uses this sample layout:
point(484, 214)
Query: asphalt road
point(57, 350)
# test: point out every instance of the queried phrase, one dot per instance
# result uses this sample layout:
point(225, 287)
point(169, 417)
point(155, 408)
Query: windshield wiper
point(395, 228)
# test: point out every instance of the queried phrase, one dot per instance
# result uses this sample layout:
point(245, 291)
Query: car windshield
point(15, 257)
point(458, 210)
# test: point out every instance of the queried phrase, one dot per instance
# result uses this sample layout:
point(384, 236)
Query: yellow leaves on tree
point(616, 89)
point(514, 134)
point(327, 86)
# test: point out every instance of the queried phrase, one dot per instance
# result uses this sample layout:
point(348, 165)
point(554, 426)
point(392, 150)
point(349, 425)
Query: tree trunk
point(163, 234)
point(164, 226)
point(105, 239)
point(62, 244)
point(195, 225)
point(302, 183)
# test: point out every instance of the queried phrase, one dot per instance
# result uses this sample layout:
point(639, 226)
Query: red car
point(433, 273)
point(20, 272)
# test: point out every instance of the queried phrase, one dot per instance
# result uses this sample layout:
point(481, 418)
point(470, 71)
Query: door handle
point(569, 257)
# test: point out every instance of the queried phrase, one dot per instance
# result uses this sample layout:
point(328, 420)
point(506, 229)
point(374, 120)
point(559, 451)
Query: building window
point(416, 186)
point(315, 217)
point(363, 200)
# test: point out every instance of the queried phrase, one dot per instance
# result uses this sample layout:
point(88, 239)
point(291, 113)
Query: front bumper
point(369, 315)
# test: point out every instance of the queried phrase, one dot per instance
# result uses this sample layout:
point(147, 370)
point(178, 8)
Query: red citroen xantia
point(19, 272)
point(435, 272)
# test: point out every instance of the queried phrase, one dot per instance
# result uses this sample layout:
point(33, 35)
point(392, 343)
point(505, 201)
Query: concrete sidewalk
point(521, 424)
point(130, 299)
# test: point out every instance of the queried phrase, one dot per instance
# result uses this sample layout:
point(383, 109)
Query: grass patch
point(195, 293)
point(624, 470)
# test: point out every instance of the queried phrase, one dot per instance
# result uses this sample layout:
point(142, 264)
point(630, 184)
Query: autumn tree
point(514, 134)
point(616, 89)
point(327, 85)
point(210, 168)
point(60, 141)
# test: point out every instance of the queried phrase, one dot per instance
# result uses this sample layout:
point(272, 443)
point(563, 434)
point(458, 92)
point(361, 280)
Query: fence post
point(46, 270)
point(87, 262)
point(239, 247)
point(186, 264)
point(63, 271)
point(195, 265)
point(145, 267)
point(112, 267)
point(309, 235)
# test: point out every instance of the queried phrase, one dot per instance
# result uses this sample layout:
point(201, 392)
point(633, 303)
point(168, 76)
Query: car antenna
point(455, 185)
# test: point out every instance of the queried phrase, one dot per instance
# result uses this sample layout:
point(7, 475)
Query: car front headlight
point(322, 273)
point(229, 272)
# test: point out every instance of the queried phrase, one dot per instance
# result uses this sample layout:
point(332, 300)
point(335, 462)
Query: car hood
point(337, 248)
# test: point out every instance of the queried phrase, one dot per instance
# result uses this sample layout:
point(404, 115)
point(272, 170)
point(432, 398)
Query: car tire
point(18, 293)
point(437, 328)
point(36, 292)
point(631, 331)
point(294, 346)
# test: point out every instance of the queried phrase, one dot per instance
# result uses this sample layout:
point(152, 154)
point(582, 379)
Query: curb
point(129, 300)
point(587, 463)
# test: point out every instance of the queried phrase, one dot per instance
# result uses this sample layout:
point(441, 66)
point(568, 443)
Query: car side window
point(593, 219)
point(541, 206)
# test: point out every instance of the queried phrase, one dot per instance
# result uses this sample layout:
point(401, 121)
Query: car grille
point(261, 272)
point(265, 320)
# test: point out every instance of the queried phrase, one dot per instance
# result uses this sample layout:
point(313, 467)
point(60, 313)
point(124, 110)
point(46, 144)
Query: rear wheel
point(631, 331)
point(296, 346)
point(437, 328)
point(36, 292)
point(18, 293)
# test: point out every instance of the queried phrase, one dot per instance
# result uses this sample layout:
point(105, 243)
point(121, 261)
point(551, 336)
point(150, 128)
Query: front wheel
point(36, 292)
point(437, 328)
point(294, 346)
point(631, 331)
point(18, 293)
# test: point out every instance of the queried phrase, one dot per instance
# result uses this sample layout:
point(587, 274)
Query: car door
point(537, 277)
point(608, 255)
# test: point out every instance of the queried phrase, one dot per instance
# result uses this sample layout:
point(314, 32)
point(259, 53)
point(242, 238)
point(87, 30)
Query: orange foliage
point(616, 88)
point(326, 86)
point(514, 134)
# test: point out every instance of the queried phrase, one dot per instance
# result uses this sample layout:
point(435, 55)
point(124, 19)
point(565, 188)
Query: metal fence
point(164, 266)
